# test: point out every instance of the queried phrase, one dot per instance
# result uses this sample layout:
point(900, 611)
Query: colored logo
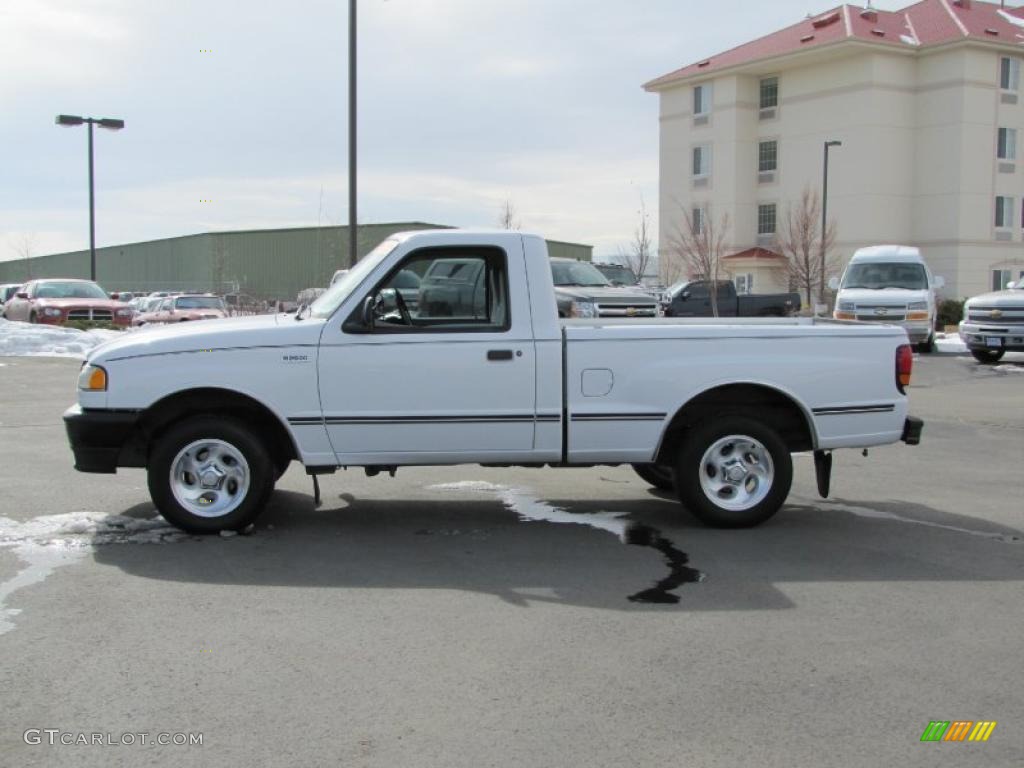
point(995, 314)
point(958, 730)
point(881, 311)
point(630, 311)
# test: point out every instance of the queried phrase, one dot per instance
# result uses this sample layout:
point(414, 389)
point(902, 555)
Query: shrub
point(89, 325)
point(950, 312)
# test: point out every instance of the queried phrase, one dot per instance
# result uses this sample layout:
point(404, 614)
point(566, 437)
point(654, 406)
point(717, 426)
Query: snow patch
point(46, 543)
point(909, 40)
point(1009, 369)
point(950, 344)
point(1016, 21)
point(32, 340)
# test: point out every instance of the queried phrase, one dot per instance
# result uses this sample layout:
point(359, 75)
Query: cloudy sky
point(242, 103)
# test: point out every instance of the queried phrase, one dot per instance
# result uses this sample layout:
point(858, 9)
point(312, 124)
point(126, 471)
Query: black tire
point(280, 467)
point(689, 468)
point(206, 427)
point(32, 318)
point(988, 356)
point(927, 347)
point(658, 475)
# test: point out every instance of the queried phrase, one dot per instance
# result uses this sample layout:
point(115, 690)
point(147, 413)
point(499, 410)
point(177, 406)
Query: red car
point(178, 309)
point(55, 302)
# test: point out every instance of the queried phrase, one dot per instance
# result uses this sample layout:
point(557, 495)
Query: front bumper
point(912, 428)
point(99, 438)
point(995, 337)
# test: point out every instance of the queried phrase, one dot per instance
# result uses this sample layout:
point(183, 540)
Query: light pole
point(113, 125)
point(353, 253)
point(824, 221)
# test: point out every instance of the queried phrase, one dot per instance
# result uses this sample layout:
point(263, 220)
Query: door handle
point(499, 354)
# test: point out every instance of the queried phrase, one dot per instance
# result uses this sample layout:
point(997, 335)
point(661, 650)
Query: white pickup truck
point(482, 372)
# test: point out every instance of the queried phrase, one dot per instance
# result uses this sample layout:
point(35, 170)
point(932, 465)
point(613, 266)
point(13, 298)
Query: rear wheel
point(733, 471)
point(210, 474)
point(658, 475)
point(988, 356)
point(927, 347)
point(33, 318)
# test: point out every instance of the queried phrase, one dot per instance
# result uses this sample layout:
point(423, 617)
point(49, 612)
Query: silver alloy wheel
point(210, 478)
point(736, 473)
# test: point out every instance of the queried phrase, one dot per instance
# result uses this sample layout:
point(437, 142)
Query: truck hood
point(887, 297)
point(605, 295)
point(1008, 298)
point(227, 333)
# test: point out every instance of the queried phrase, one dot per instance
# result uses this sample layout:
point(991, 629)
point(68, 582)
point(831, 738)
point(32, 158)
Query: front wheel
point(733, 472)
point(988, 356)
point(927, 347)
point(658, 475)
point(210, 474)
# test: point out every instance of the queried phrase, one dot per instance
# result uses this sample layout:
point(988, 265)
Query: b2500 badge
point(295, 358)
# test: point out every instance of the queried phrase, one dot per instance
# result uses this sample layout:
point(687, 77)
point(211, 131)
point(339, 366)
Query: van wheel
point(927, 347)
point(733, 471)
point(33, 318)
point(988, 356)
point(658, 475)
point(210, 474)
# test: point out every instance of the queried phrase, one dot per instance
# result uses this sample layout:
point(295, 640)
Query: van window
point(881, 275)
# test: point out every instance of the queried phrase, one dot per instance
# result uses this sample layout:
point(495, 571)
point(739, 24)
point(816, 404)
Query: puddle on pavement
point(43, 544)
point(530, 508)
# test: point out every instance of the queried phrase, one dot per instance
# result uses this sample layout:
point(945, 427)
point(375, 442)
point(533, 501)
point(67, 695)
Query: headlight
point(51, 312)
point(583, 309)
point(124, 312)
point(917, 305)
point(846, 306)
point(92, 378)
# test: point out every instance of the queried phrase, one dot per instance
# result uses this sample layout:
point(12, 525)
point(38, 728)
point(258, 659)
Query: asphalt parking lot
point(475, 617)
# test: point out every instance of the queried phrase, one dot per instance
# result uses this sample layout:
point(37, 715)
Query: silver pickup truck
point(993, 323)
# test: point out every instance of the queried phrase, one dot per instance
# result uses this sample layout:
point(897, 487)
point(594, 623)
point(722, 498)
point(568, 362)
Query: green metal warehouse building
point(263, 263)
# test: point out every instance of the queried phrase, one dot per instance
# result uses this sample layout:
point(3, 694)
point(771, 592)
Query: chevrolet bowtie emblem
point(881, 311)
point(630, 311)
point(995, 314)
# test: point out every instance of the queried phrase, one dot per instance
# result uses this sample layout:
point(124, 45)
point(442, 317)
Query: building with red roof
point(926, 102)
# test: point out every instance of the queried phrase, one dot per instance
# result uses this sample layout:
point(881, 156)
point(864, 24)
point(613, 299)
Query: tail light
point(904, 367)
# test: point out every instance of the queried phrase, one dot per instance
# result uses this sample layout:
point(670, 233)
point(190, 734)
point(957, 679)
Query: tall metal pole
point(824, 221)
point(353, 253)
point(92, 213)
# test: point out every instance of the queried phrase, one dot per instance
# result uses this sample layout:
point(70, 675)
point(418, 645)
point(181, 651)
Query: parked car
point(993, 323)
point(692, 298)
point(582, 291)
point(215, 413)
point(55, 302)
point(7, 290)
point(180, 309)
point(890, 284)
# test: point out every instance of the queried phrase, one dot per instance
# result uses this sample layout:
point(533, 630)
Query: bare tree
point(509, 218)
point(25, 246)
point(638, 257)
point(800, 240)
point(219, 263)
point(698, 246)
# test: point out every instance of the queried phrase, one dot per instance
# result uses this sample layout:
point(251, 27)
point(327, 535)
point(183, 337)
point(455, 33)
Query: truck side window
point(445, 289)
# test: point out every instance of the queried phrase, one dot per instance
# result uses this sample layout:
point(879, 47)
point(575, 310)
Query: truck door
point(447, 375)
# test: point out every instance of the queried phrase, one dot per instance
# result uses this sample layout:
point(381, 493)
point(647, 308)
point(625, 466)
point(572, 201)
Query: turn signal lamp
point(92, 379)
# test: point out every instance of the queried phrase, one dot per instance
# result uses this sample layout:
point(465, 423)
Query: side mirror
point(684, 295)
point(833, 283)
point(1011, 286)
point(940, 282)
point(21, 295)
point(367, 312)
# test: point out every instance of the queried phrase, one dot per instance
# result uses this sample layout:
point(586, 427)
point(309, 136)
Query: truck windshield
point(879, 276)
point(618, 275)
point(334, 296)
point(577, 273)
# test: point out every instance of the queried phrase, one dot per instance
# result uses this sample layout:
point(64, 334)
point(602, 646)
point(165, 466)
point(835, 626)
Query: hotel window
point(1007, 146)
point(1009, 73)
point(702, 160)
point(1000, 277)
point(769, 92)
point(745, 283)
point(698, 221)
point(702, 99)
point(1004, 212)
point(766, 219)
point(767, 156)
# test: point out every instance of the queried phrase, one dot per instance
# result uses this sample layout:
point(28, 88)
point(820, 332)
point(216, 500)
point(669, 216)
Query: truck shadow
point(483, 546)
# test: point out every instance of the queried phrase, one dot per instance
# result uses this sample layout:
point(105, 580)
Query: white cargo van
point(890, 284)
